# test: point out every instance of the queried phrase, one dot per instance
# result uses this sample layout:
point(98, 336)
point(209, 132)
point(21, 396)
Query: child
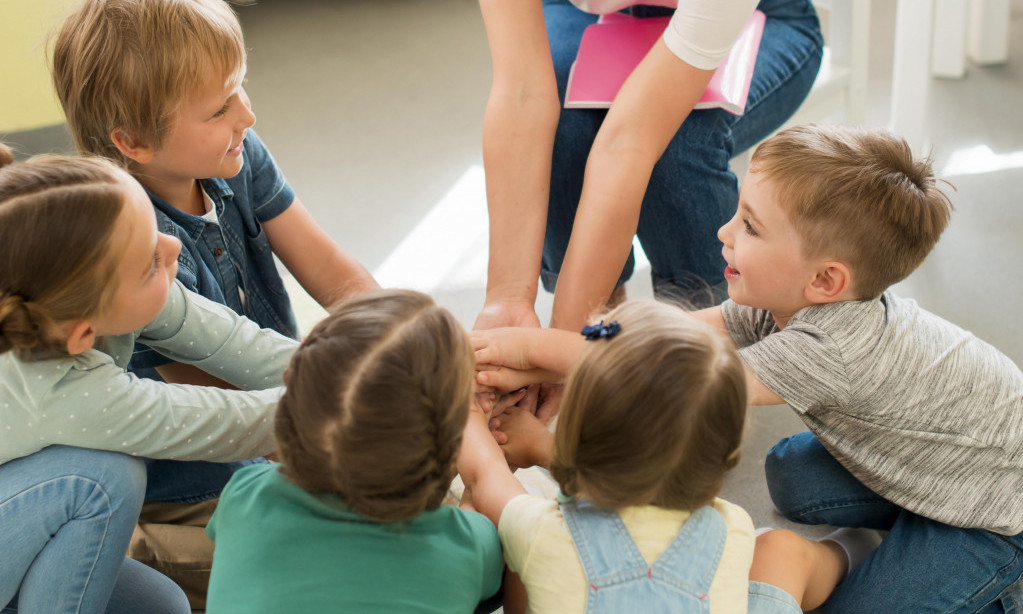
point(69, 317)
point(156, 85)
point(916, 426)
point(651, 421)
point(350, 520)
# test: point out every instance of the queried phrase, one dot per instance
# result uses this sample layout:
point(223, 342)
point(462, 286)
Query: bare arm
point(712, 317)
point(326, 271)
point(756, 392)
point(484, 469)
point(518, 138)
point(509, 358)
point(643, 119)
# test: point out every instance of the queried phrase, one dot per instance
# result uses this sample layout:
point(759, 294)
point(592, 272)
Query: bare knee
point(784, 559)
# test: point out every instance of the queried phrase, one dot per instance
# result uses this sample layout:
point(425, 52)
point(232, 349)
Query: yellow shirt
point(539, 547)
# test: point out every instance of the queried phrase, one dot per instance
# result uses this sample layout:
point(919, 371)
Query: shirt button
point(218, 251)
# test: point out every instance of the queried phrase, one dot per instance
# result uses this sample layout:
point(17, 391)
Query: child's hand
point(502, 347)
point(528, 440)
point(549, 402)
point(489, 377)
point(502, 401)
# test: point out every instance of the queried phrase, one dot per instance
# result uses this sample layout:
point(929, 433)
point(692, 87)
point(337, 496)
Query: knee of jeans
point(782, 480)
point(118, 475)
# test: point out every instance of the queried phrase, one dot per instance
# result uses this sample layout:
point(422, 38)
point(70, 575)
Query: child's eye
point(222, 110)
point(749, 228)
point(157, 259)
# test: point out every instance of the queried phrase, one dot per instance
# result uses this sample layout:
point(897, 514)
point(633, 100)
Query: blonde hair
point(57, 218)
point(857, 195)
point(377, 397)
point(653, 415)
point(129, 64)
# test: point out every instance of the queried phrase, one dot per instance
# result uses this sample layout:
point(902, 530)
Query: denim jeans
point(921, 566)
point(67, 515)
point(692, 192)
point(171, 481)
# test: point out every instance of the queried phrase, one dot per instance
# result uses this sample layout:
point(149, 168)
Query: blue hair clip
point(601, 330)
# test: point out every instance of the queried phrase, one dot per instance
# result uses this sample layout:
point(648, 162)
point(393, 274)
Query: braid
point(377, 397)
point(24, 327)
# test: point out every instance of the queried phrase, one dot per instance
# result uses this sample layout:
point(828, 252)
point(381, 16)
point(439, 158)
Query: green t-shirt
point(282, 549)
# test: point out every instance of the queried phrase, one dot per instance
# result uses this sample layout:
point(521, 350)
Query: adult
point(649, 166)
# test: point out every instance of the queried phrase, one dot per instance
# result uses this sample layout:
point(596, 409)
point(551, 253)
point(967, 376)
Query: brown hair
point(653, 415)
point(857, 195)
point(129, 63)
point(377, 398)
point(57, 217)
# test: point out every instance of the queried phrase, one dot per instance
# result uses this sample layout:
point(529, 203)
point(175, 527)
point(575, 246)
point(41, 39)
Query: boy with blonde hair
point(916, 426)
point(156, 85)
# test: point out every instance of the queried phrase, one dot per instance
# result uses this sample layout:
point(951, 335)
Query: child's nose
point(246, 118)
point(722, 234)
point(173, 248)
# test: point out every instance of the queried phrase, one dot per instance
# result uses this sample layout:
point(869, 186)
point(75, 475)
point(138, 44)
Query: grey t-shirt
point(918, 409)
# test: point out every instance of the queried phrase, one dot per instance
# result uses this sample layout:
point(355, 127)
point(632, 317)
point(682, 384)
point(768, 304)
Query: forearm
point(712, 316)
point(484, 471)
point(334, 275)
point(645, 116)
point(605, 223)
point(517, 143)
point(518, 139)
point(554, 350)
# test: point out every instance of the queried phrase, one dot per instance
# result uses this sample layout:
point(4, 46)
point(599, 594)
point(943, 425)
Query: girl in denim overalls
point(651, 421)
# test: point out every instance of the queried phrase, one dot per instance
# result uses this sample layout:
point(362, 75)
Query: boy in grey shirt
point(916, 425)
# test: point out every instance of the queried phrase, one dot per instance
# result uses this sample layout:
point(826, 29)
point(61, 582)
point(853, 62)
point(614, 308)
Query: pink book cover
point(612, 48)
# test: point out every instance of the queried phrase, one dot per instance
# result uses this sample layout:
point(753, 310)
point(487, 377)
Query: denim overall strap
point(618, 576)
point(694, 555)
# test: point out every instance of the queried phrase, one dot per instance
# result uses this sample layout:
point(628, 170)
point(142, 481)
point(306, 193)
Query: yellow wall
point(26, 96)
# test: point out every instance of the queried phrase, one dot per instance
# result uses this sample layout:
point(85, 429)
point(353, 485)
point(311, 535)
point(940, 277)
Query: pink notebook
point(611, 48)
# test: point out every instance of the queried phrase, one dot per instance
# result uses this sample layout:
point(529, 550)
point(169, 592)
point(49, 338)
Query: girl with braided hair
point(368, 431)
point(84, 274)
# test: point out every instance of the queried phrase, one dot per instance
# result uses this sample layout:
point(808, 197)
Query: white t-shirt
point(701, 32)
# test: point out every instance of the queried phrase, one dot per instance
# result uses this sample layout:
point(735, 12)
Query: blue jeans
point(692, 191)
point(921, 566)
point(171, 481)
point(67, 515)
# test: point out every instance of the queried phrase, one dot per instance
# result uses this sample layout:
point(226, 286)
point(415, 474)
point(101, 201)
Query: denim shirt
point(219, 259)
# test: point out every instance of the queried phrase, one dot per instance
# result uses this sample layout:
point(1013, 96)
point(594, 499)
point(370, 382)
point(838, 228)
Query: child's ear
point(81, 336)
point(131, 146)
point(832, 283)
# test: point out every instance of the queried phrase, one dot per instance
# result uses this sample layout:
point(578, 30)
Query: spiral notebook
point(612, 48)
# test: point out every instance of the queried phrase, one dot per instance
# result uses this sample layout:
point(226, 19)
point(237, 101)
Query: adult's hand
point(506, 313)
